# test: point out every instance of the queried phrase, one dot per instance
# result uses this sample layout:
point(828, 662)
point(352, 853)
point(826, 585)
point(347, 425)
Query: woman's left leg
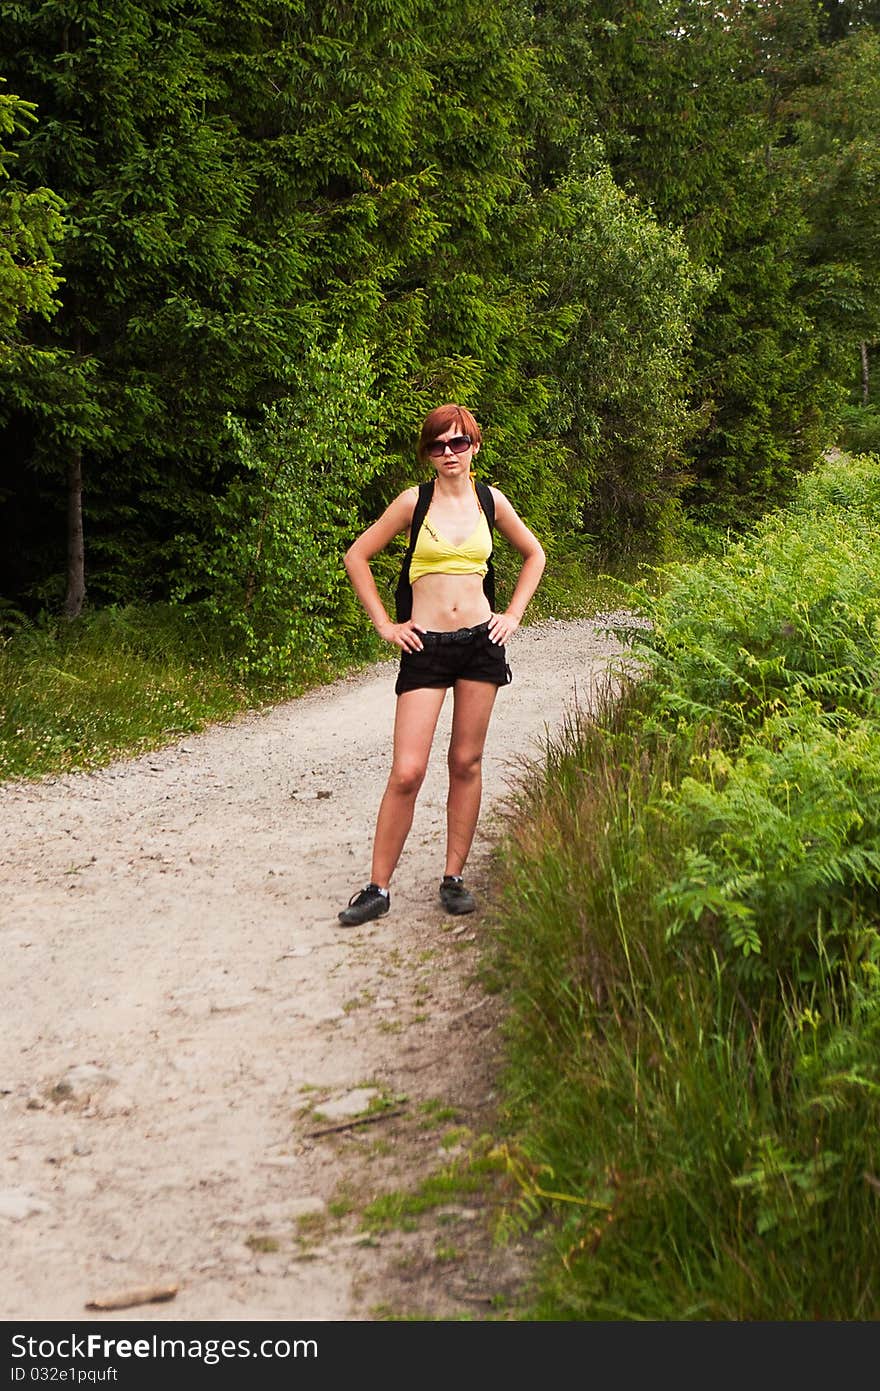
point(473, 702)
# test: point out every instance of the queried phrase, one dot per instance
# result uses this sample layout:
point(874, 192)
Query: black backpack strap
point(403, 592)
point(487, 502)
point(420, 512)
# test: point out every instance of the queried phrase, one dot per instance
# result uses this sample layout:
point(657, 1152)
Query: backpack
point(403, 592)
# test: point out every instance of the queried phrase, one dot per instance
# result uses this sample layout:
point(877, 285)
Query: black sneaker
point(454, 896)
point(369, 903)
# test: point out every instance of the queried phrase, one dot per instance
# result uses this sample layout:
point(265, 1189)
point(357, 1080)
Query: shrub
point(270, 570)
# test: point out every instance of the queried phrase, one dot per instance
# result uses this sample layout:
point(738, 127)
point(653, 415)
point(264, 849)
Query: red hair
point(439, 420)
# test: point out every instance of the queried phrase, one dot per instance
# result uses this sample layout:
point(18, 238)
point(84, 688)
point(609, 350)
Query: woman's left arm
point(514, 530)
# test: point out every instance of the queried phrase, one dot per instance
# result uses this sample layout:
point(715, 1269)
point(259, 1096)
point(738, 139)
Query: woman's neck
point(459, 486)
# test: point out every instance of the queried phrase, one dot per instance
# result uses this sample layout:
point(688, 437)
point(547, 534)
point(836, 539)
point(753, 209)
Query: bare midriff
point(443, 603)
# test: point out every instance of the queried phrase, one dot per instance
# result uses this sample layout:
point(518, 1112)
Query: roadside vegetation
point(689, 940)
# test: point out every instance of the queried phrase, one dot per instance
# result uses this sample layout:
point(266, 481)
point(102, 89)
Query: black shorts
point(465, 655)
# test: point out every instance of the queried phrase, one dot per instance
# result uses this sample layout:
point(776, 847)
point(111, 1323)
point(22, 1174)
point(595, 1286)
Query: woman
point(448, 635)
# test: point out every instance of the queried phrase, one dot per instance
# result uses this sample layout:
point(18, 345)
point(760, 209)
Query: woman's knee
point(465, 764)
point(407, 777)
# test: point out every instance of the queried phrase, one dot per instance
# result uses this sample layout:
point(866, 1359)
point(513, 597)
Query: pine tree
point(833, 158)
point(172, 310)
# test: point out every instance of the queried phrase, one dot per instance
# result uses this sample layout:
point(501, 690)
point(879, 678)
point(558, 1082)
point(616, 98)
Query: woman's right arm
point(396, 518)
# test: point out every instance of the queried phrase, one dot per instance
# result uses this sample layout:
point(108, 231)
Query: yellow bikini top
point(434, 555)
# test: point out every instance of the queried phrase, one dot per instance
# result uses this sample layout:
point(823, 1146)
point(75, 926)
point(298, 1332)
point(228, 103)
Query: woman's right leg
point(414, 724)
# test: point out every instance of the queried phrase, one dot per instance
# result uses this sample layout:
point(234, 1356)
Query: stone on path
point(352, 1103)
point(17, 1203)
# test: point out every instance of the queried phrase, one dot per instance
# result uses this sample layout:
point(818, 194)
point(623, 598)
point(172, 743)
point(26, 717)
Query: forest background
point(247, 245)
point(244, 248)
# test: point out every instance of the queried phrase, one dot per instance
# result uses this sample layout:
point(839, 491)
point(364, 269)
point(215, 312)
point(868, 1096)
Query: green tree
point(834, 160)
point(838, 18)
point(31, 223)
point(625, 366)
point(173, 310)
point(31, 227)
point(679, 97)
point(267, 569)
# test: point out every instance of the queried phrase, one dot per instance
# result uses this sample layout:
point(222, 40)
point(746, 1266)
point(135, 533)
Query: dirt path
point(184, 1023)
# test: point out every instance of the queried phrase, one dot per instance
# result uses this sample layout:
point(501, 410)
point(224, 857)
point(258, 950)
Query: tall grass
point(118, 682)
point(688, 935)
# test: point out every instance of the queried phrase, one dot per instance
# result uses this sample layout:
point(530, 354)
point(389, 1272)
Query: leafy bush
point(773, 651)
point(780, 870)
point(623, 370)
point(791, 612)
point(270, 571)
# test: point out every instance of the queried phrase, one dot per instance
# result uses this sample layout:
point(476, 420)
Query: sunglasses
point(458, 444)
